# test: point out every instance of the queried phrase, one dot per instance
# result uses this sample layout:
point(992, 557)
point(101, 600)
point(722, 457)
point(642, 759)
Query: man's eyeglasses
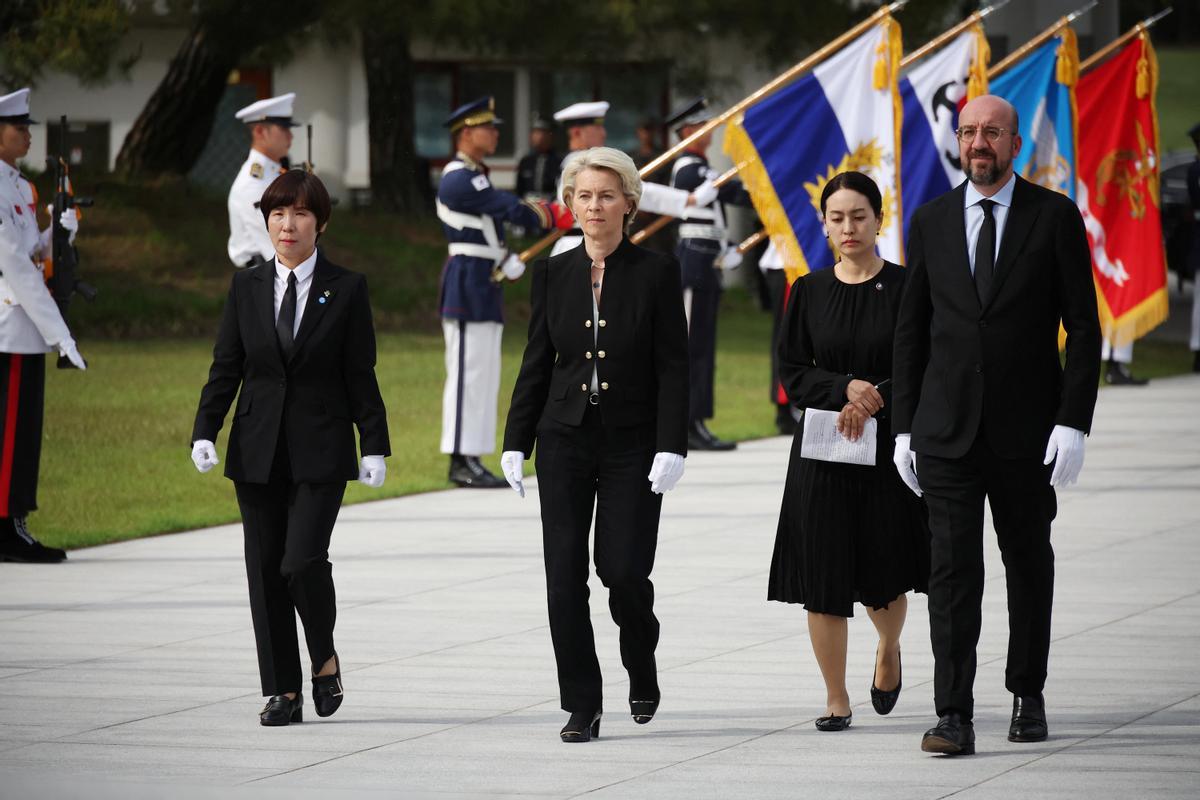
point(967, 133)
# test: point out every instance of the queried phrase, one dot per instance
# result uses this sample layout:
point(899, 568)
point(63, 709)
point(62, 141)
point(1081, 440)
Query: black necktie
point(286, 324)
point(985, 252)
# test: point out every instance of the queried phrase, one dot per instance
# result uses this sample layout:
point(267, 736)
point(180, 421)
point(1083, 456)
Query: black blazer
point(326, 387)
point(640, 351)
point(961, 366)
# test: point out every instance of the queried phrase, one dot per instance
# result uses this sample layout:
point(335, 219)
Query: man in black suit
point(982, 406)
point(296, 338)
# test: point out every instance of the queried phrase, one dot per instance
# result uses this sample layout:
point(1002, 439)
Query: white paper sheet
point(823, 442)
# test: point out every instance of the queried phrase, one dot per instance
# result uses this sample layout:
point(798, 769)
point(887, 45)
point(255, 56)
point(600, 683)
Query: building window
point(86, 144)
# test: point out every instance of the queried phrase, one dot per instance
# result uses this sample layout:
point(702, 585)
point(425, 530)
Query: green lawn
point(115, 460)
point(1178, 100)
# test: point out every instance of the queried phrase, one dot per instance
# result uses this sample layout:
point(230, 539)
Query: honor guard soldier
point(585, 129)
point(537, 173)
point(473, 213)
point(30, 326)
point(702, 251)
point(270, 123)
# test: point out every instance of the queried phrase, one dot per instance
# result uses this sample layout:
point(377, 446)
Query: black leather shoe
point(327, 690)
point(952, 736)
point(1118, 374)
point(1028, 720)
point(469, 473)
point(643, 711)
point(882, 701)
point(834, 722)
point(281, 711)
point(583, 726)
point(17, 544)
point(701, 438)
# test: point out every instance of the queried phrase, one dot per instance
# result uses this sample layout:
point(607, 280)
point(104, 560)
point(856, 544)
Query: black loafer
point(279, 711)
point(643, 711)
point(952, 736)
point(1028, 720)
point(834, 722)
point(583, 726)
point(327, 690)
point(883, 702)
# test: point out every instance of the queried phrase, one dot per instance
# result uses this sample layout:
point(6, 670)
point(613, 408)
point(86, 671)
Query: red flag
point(1118, 168)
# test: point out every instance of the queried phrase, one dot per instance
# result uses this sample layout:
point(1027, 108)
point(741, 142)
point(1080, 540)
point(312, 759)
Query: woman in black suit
point(603, 389)
point(297, 339)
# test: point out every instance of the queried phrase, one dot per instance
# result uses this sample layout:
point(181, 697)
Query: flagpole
point(1104, 52)
point(946, 36)
point(762, 92)
point(1033, 43)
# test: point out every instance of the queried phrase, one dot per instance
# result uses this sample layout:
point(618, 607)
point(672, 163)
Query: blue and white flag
point(844, 115)
point(933, 92)
point(1041, 88)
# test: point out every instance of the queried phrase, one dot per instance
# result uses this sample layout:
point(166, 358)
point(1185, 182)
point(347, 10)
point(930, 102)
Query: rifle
point(64, 280)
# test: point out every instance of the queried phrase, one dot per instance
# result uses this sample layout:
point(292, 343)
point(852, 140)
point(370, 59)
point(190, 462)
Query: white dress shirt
point(304, 275)
point(974, 216)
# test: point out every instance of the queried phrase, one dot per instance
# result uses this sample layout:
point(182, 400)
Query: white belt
point(694, 231)
point(494, 254)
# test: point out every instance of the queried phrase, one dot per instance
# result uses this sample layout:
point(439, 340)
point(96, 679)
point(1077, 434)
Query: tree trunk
point(399, 179)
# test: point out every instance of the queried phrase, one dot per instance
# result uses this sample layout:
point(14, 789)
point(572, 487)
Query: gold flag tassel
point(1066, 70)
point(977, 73)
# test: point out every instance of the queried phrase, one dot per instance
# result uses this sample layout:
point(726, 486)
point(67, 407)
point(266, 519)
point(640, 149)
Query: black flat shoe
point(1028, 720)
point(327, 690)
point(952, 736)
point(882, 701)
point(583, 726)
point(643, 711)
point(279, 710)
point(834, 722)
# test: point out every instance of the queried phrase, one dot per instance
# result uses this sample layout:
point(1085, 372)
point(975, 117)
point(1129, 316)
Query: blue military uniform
point(471, 301)
point(702, 240)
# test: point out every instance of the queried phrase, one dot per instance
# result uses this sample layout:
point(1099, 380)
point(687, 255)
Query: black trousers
point(580, 469)
point(1023, 505)
point(287, 528)
point(703, 281)
point(22, 399)
point(777, 289)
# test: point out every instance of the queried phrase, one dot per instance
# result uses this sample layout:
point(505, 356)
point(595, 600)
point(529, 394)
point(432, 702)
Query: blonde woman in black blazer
point(297, 340)
point(603, 391)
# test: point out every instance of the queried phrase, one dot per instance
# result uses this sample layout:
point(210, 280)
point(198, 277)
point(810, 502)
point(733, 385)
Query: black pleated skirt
point(848, 533)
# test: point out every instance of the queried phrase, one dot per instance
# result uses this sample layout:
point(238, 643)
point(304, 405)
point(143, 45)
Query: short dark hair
point(297, 188)
point(855, 182)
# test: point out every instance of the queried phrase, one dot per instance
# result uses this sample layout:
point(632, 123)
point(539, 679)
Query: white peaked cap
point(273, 109)
point(587, 113)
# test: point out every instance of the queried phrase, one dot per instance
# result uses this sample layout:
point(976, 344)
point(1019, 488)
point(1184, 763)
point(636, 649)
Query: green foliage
point(79, 37)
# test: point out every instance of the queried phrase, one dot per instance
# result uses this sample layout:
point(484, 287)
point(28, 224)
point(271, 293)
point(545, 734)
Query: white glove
point(1065, 449)
point(513, 464)
point(729, 258)
point(705, 193)
point(513, 267)
point(68, 350)
point(69, 220)
point(665, 472)
point(204, 455)
point(372, 471)
point(906, 462)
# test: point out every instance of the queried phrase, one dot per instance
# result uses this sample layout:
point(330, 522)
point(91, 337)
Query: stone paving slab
point(129, 671)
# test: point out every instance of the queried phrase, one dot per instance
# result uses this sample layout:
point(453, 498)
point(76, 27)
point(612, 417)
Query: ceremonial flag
point(1041, 88)
point(844, 115)
point(933, 92)
point(1118, 190)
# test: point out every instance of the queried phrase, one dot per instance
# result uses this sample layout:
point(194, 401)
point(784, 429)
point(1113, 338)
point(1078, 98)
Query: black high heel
point(327, 690)
point(643, 711)
point(882, 701)
point(583, 726)
point(280, 711)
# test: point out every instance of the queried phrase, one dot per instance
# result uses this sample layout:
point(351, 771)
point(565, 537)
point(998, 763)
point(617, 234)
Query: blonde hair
point(607, 158)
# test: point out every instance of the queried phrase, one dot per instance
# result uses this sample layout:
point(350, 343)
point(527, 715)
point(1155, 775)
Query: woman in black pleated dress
point(847, 532)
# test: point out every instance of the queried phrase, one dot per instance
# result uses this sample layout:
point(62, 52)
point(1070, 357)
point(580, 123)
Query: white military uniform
point(30, 321)
point(248, 236)
point(656, 198)
point(247, 231)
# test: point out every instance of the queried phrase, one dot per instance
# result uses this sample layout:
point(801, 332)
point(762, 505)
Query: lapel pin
point(324, 297)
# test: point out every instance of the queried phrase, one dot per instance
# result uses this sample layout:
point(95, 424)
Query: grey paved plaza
point(130, 671)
